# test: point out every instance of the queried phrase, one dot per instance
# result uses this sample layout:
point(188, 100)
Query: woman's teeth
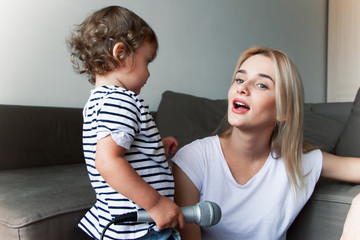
point(240, 104)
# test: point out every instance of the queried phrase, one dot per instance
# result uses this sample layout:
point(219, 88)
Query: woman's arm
point(341, 168)
point(186, 194)
point(122, 177)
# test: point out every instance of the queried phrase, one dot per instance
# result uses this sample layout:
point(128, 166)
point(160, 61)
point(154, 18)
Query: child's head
point(93, 40)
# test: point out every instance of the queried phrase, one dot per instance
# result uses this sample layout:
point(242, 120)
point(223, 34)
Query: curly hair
point(92, 41)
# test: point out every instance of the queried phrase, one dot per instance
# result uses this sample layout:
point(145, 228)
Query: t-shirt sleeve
point(120, 117)
point(190, 159)
point(312, 164)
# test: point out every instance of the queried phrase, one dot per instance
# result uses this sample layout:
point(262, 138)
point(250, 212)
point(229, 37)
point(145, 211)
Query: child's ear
point(118, 50)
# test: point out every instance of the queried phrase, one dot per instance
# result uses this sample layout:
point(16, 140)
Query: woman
point(258, 170)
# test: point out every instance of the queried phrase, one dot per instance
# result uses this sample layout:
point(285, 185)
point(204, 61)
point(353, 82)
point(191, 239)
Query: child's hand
point(170, 145)
point(166, 214)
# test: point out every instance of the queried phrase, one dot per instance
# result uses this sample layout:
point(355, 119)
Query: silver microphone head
point(210, 213)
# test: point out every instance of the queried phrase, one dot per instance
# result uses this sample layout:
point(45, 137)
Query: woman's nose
point(243, 88)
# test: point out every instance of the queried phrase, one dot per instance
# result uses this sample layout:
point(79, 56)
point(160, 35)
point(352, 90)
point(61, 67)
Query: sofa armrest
point(39, 136)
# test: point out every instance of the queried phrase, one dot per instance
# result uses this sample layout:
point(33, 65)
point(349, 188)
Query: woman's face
point(251, 98)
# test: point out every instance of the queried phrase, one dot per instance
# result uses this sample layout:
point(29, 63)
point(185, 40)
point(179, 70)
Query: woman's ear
point(278, 120)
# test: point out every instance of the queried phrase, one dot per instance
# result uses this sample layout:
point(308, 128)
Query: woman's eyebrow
point(259, 74)
point(265, 76)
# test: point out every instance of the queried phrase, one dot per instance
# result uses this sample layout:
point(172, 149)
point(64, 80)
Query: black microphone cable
point(127, 217)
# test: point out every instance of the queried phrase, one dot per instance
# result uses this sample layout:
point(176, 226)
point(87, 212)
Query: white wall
point(200, 42)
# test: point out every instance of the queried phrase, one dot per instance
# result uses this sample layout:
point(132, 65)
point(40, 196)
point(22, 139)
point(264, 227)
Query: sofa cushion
point(34, 200)
point(40, 136)
point(339, 111)
point(324, 214)
point(349, 142)
point(187, 117)
point(321, 130)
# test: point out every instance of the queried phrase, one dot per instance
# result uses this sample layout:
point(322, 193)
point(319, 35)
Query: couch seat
point(30, 196)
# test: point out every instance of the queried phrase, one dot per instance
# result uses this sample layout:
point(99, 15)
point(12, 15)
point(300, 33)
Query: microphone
point(204, 214)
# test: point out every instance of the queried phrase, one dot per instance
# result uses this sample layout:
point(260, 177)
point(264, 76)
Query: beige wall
point(343, 50)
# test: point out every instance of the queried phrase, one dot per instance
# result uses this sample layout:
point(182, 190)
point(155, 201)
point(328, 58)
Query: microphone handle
point(191, 214)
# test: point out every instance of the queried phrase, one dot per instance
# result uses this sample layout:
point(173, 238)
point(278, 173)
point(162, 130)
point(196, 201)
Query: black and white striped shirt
point(122, 114)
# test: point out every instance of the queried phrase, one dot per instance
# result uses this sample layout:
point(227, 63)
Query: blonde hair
point(287, 137)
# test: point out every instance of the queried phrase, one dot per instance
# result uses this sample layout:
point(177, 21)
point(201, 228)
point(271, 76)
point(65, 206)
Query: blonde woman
point(258, 170)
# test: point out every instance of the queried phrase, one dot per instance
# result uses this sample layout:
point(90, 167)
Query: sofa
point(45, 190)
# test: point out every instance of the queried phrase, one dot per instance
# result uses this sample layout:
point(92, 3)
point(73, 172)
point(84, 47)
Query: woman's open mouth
point(240, 106)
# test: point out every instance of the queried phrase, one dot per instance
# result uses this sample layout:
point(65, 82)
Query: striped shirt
point(118, 112)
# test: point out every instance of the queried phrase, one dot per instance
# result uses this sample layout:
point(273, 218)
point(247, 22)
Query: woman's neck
point(245, 154)
point(248, 146)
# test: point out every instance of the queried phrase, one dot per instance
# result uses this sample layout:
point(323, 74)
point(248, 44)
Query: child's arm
point(121, 176)
point(170, 145)
point(341, 168)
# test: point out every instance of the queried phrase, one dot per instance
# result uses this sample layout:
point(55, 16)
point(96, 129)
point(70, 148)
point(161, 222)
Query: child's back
point(121, 112)
point(123, 150)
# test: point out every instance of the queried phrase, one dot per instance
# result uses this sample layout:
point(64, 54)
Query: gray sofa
point(44, 187)
point(45, 190)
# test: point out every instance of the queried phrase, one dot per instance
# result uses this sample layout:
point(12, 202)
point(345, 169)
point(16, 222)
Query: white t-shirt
point(263, 208)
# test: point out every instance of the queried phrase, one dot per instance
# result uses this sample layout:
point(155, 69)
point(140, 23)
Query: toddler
point(124, 154)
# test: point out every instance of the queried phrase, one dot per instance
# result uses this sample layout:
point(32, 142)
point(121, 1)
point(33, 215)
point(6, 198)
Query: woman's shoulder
point(193, 157)
point(315, 154)
point(208, 141)
point(312, 160)
point(198, 149)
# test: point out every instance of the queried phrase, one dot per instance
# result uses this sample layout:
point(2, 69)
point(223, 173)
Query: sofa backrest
point(325, 122)
point(339, 111)
point(39, 136)
point(188, 118)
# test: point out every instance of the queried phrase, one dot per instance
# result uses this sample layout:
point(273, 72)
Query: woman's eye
point(238, 80)
point(261, 85)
